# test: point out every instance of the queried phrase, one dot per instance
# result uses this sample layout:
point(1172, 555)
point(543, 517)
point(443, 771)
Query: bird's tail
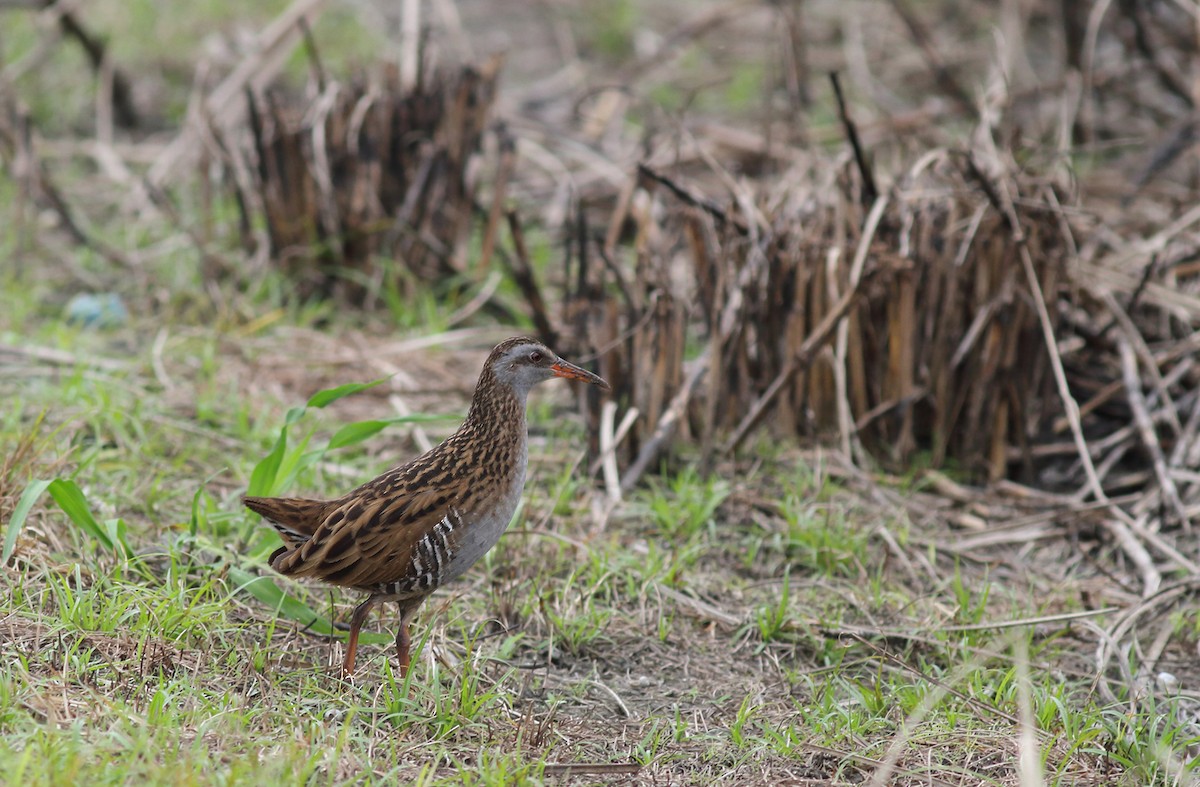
point(294, 518)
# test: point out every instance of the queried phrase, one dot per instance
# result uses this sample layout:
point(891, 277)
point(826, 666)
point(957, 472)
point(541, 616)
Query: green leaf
point(28, 498)
point(278, 468)
point(291, 464)
point(267, 544)
point(266, 472)
point(351, 434)
point(199, 512)
point(266, 591)
point(359, 431)
point(116, 529)
point(330, 395)
point(71, 500)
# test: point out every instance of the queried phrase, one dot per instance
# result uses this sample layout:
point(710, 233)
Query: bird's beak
point(570, 371)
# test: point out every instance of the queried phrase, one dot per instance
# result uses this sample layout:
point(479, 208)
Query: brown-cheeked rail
point(416, 527)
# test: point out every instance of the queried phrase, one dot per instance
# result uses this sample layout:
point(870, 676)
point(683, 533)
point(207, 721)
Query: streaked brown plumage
point(402, 535)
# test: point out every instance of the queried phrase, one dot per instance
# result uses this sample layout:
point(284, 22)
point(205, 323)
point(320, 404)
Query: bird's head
point(522, 362)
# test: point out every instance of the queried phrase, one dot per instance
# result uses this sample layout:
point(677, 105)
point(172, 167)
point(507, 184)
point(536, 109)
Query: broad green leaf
point(266, 591)
point(71, 500)
point(266, 472)
point(24, 505)
point(358, 431)
point(330, 395)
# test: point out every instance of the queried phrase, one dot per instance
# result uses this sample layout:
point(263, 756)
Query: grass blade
point(24, 505)
point(199, 512)
point(73, 502)
point(330, 395)
point(116, 530)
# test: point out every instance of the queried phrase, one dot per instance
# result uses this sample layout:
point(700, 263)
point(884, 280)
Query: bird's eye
point(535, 357)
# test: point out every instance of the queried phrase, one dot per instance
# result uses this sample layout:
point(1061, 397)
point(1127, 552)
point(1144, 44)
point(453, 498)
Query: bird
point(422, 524)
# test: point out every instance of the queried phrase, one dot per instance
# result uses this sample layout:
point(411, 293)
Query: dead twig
point(667, 423)
point(812, 344)
point(1145, 428)
point(870, 193)
point(688, 198)
point(520, 268)
point(222, 107)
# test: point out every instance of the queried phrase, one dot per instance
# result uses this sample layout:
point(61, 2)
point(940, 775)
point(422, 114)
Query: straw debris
point(361, 172)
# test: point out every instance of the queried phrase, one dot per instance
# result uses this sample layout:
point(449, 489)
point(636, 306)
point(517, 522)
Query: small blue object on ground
point(105, 310)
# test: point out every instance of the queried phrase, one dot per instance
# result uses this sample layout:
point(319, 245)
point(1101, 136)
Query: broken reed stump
point(940, 351)
point(365, 184)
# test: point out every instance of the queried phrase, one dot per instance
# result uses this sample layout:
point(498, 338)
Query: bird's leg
point(403, 641)
point(356, 621)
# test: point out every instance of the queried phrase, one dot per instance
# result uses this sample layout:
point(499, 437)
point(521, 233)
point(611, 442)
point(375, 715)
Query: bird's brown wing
point(368, 541)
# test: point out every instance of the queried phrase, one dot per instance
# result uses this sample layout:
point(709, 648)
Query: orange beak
point(570, 371)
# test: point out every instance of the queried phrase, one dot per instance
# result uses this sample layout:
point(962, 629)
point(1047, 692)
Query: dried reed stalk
point(943, 353)
point(368, 171)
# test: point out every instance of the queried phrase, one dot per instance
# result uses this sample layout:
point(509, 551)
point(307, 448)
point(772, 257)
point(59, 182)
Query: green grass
point(167, 667)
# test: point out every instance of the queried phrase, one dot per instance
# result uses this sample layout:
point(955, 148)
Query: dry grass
point(360, 173)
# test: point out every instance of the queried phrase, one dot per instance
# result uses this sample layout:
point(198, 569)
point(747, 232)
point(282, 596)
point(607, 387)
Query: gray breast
point(486, 527)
